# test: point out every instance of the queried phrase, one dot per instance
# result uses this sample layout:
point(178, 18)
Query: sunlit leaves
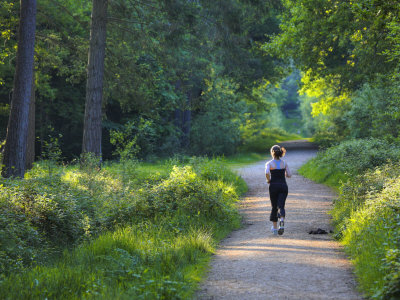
point(342, 38)
point(326, 91)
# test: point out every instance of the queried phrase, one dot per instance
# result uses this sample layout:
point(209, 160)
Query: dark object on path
point(318, 231)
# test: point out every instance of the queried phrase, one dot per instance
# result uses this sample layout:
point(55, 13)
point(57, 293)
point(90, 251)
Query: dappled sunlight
point(253, 264)
point(313, 252)
point(310, 194)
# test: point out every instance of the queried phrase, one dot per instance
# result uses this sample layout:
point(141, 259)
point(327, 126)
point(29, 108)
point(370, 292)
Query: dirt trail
point(253, 264)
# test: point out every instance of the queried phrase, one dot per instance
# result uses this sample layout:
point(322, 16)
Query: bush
point(216, 129)
point(366, 214)
point(216, 170)
point(374, 111)
point(47, 205)
point(372, 238)
point(177, 211)
point(351, 158)
point(21, 244)
point(186, 193)
point(138, 262)
point(258, 138)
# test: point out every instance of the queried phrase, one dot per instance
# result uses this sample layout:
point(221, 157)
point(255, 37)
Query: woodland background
point(183, 77)
point(184, 80)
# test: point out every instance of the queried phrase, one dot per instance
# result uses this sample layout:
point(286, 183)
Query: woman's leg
point(281, 200)
point(273, 196)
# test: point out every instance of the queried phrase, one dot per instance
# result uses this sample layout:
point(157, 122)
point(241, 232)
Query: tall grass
point(366, 214)
point(131, 263)
point(137, 232)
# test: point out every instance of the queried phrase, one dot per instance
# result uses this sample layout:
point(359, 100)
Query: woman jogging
point(275, 171)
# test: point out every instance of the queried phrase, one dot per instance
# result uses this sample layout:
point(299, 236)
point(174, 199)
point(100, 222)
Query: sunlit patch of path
point(253, 264)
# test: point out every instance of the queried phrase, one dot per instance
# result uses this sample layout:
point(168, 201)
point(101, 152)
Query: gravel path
point(253, 264)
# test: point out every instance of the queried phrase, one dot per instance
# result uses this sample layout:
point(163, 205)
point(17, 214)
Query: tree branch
point(83, 24)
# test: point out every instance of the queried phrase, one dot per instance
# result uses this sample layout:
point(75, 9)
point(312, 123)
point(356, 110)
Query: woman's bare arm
point(288, 173)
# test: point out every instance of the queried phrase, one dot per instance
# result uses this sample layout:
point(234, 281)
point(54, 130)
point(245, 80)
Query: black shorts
point(277, 193)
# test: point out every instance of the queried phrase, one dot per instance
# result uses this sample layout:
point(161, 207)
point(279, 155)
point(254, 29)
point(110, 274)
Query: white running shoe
point(274, 230)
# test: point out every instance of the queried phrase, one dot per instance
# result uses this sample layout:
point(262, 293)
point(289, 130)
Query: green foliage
point(366, 214)
point(259, 138)
point(159, 56)
point(371, 111)
point(345, 40)
point(21, 243)
point(216, 130)
point(51, 152)
point(264, 123)
point(185, 193)
point(372, 238)
point(374, 111)
point(144, 261)
point(145, 233)
point(348, 159)
point(348, 54)
point(137, 139)
point(51, 147)
point(243, 159)
point(216, 169)
point(310, 123)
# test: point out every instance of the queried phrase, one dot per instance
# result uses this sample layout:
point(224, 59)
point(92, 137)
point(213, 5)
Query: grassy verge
point(243, 159)
point(259, 141)
point(366, 213)
point(257, 144)
point(129, 263)
point(129, 231)
point(322, 174)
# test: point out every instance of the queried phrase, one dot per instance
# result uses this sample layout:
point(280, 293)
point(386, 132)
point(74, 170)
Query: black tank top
point(278, 175)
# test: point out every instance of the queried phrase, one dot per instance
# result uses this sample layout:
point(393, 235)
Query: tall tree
point(17, 129)
point(30, 142)
point(95, 73)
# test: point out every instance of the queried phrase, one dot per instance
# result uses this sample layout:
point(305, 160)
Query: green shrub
point(356, 189)
point(48, 205)
point(256, 137)
point(374, 111)
point(120, 223)
point(136, 139)
point(350, 158)
point(372, 238)
point(217, 170)
point(367, 211)
point(144, 261)
point(216, 129)
point(185, 192)
point(21, 244)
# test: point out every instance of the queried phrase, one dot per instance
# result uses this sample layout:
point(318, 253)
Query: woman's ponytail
point(278, 151)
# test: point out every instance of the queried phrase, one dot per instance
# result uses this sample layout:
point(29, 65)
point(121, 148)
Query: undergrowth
point(256, 138)
point(126, 231)
point(366, 214)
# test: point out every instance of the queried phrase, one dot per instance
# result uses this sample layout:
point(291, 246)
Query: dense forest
point(185, 77)
point(349, 55)
point(151, 88)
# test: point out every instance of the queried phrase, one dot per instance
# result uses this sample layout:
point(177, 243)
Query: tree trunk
point(183, 117)
point(17, 129)
point(30, 143)
point(94, 86)
point(187, 120)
